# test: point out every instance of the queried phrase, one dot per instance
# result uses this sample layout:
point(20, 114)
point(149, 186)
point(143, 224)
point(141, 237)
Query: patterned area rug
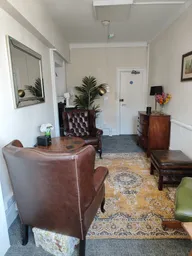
point(134, 205)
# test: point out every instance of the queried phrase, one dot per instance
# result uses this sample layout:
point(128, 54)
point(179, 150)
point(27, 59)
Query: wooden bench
point(172, 166)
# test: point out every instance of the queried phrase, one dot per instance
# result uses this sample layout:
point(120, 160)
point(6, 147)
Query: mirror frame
point(16, 44)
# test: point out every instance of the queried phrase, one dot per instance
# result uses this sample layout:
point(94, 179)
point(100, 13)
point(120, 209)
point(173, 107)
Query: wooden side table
point(64, 144)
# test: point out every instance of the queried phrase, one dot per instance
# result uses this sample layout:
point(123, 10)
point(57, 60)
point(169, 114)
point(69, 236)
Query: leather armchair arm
point(99, 177)
point(68, 134)
point(96, 132)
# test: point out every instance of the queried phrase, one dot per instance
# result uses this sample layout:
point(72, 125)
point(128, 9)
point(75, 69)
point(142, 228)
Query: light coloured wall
point(103, 63)
point(23, 123)
point(35, 17)
point(60, 75)
point(165, 68)
point(60, 81)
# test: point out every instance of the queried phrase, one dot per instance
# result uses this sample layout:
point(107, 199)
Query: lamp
point(155, 90)
point(21, 93)
point(102, 91)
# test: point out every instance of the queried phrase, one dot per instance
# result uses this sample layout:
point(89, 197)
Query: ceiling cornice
point(109, 45)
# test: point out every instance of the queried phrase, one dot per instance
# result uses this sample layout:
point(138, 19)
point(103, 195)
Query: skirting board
point(11, 214)
point(109, 131)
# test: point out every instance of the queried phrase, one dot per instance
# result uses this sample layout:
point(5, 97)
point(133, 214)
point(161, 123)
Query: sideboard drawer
point(153, 131)
point(143, 128)
point(143, 119)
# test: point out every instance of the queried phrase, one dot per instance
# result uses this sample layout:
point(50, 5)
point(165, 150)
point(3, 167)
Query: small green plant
point(88, 92)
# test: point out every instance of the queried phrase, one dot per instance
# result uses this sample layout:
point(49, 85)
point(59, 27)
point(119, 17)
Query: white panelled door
point(132, 99)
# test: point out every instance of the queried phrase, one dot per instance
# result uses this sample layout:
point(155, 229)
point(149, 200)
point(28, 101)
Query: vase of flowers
point(46, 129)
point(163, 99)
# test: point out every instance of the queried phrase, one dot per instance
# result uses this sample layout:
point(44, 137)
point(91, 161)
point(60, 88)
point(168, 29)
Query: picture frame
point(186, 68)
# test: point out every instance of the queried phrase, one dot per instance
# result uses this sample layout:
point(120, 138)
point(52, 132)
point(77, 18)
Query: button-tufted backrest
point(78, 123)
point(52, 189)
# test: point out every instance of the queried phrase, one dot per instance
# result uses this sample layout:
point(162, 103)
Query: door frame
point(144, 84)
point(53, 60)
point(54, 95)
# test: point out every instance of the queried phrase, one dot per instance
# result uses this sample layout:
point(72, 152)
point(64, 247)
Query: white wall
point(60, 75)
point(23, 123)
point(35, 17)
point(103, 63)
point(165, 68)
point(60, 80)
point(4, 239)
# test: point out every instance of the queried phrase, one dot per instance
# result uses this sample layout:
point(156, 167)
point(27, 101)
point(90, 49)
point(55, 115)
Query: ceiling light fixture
point(105, 22)
point(111, 35)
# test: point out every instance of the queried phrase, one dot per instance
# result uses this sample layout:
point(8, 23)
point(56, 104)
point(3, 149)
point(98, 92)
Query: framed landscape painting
point(186, 71)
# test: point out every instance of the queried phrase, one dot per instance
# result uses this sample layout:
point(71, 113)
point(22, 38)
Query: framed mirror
point(27, 74)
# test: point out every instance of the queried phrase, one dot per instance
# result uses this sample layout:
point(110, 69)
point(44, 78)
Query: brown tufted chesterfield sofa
point(81, 123)
point(56, 191)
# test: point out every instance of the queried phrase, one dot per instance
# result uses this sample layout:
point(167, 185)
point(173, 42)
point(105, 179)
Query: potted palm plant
point(88, 92)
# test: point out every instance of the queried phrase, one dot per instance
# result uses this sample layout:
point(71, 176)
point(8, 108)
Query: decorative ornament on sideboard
point(163, 99)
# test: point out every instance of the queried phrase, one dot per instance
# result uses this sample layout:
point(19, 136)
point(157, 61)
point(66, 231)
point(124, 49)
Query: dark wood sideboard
point(153, 131)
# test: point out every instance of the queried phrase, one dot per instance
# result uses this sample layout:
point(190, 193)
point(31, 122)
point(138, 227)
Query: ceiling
point(78, 21)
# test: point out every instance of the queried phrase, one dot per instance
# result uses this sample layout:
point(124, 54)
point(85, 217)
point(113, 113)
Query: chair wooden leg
point(171, 223)
point(24, 234)
point(100, 153)
point(82, 247)
point(102, 206)
point(152, 169)
point(160, 183)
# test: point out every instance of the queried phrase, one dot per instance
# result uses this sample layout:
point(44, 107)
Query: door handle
point(121, 100)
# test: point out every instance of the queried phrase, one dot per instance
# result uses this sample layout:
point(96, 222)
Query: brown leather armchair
point(56, 191)
point(81, 123)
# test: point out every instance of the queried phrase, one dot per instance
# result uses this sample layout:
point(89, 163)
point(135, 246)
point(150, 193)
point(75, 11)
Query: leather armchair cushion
point(90, 140)
point(78, 123)
point(183, 208)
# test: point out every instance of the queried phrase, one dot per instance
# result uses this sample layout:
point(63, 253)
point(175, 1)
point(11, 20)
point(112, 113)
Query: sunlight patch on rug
point(134, 205)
